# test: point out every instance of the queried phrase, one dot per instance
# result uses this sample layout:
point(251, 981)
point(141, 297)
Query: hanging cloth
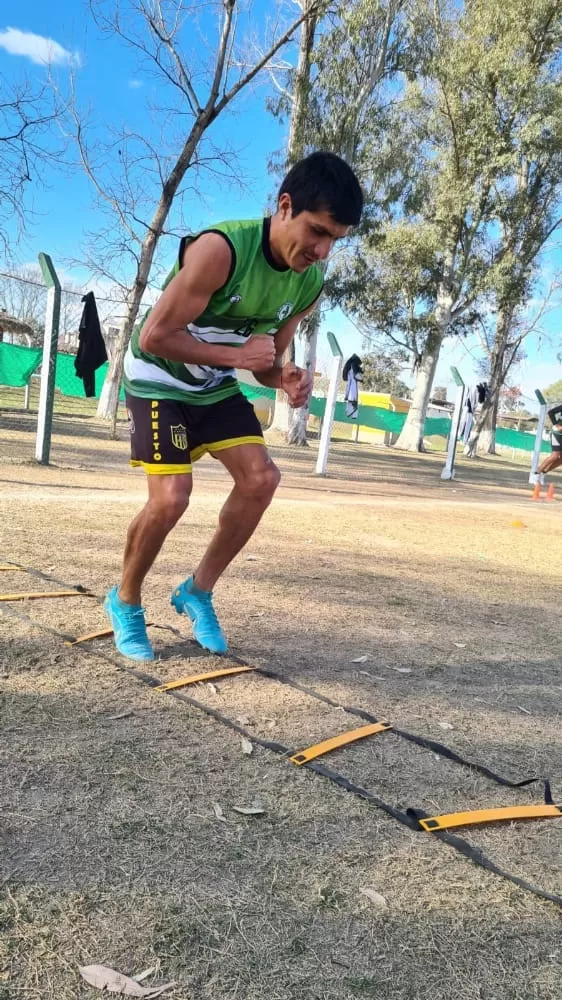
point(91, 345)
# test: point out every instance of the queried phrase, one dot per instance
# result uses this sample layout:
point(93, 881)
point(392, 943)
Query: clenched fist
point(257, 354)
point(297, 383)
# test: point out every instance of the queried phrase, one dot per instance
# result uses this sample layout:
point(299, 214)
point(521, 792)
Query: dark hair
point(323, 182)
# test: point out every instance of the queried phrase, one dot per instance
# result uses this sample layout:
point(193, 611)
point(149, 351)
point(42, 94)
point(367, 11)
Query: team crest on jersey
point(285, 311)
point(235, 298)
point(179, 436)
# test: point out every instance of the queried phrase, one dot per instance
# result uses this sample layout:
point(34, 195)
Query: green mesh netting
point(67, 381)
point(18, 363)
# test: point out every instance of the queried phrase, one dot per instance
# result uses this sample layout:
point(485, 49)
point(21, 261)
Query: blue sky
point(111, 82)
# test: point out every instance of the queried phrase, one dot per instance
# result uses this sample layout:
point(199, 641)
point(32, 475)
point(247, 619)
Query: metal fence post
point(535, 460)
point(327, 422)
point(49, 361)
point(449, 467)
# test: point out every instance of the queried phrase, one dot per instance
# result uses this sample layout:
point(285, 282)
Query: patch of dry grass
point(111, 850)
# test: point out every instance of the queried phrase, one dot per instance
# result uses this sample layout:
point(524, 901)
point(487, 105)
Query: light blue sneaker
point(127, 622)
point(187, 599)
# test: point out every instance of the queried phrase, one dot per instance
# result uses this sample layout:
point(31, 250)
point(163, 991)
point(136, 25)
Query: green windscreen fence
point(17, 364)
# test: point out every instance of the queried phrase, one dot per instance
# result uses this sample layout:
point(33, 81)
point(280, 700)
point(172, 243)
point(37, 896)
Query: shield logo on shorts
point(179, 436)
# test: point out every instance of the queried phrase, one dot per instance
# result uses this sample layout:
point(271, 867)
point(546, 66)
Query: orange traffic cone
point(550, 492)
point(536, 492)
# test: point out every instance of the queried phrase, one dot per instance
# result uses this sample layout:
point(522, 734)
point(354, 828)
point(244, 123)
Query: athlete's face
point(308, 237)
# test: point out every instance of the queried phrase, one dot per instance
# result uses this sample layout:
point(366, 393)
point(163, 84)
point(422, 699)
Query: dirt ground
point(119, 841)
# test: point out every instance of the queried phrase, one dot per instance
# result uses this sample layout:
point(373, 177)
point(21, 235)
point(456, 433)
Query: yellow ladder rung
point(339, 741)
point(196, 678)
point(476, 816)
point(36, 597)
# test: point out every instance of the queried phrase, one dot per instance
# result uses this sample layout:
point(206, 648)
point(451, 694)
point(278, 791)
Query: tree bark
point(297, 430)
point(482, 440)
point(284, 418)
point(411, 435)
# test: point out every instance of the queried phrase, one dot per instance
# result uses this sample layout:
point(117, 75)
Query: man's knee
point(169, 498)
point(259, 482)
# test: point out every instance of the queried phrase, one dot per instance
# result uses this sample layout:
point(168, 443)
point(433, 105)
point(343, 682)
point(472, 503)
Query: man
point(234, 300)
point(555, 458)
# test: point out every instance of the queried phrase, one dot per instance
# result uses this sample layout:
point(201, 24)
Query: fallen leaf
point(257, 614)
point(375, 897)
point(460, 645)
point(114, 982)
point(212, 687)
point(253, 810)
point(499, 623)
point(360, 659)
point(243, 720)
point(526, 710)
point(247, 747)
point(252, 558)
point(122, 715)
point(402, 670)
point(219, 813)
point(445, 725)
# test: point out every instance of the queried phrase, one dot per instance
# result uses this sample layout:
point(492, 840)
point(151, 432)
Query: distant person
point(233, 300)
point(554, 460)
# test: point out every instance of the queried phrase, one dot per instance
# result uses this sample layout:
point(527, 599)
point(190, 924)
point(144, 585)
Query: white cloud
point(135, 84)
point(43, 51)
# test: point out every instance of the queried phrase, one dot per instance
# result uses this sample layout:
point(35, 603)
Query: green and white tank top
point(259, 297)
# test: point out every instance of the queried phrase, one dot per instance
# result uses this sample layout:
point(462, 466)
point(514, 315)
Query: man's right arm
point(205, 268)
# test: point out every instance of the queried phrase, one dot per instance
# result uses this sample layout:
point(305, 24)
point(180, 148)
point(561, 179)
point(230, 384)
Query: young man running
point(555, 458)
point(234, 300)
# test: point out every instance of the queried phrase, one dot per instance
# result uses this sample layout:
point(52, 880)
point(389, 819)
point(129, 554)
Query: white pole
point(328, 420)
point(49, 362)
point(536, 459)
point(449, 467)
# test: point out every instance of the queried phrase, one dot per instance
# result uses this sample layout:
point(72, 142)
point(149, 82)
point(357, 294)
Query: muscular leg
point(256, 478)
point(168, 497)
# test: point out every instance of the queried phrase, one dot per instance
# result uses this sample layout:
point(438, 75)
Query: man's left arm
point(296, 382)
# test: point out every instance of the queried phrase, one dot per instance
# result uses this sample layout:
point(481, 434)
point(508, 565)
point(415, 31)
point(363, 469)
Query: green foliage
point(473, 150)
point(381, 373)
point(554, 392)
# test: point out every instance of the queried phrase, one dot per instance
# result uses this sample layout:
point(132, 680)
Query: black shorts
point(167, 436)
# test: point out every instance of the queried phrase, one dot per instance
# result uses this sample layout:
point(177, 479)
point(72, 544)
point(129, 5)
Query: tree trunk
point(411, 435)
point(297, 430)
point(282, 413)
point(487, 439)
point(482, 440)
point(284, 418)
